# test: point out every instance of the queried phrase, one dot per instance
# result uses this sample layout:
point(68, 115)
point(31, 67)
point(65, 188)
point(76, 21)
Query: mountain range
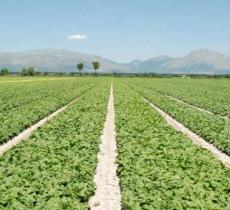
point(201, 61)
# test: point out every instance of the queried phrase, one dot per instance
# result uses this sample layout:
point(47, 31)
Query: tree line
point(96, 66)
point(30, 71)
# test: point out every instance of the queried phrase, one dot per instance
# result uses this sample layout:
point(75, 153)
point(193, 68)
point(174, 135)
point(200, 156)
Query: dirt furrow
point(192, 106)
point(28, 132)
point(225, 159)
point(107, 195)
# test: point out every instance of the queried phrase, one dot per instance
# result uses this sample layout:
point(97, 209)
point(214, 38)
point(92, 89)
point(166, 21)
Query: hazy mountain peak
point(53, 52)
point(202, 61)
point(135, 62)
point(160, 58)
point(55, 60)
point(205, 55)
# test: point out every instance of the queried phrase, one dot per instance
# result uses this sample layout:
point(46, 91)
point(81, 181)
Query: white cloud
point(77, 37)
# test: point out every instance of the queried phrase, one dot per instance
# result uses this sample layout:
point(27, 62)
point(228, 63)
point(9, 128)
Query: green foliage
point(209, 94)
point(54, 168)
point(80, 67)
point(4, 71)
point(212, 128)
point(29, 72)
point(96, 65)
point(23, 104)
point(158, 167)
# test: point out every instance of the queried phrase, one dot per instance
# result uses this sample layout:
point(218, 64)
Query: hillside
point(56, 60)
point(197, 62)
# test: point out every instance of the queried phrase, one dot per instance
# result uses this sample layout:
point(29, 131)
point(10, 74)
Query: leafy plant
point(212, 128)
point(54, 168)
point(158, 167)
point(80, 67)
point(96, 66)
point(4, 71)
point(23, 104)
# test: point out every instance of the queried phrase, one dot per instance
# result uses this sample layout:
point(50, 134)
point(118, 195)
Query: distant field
point(23, 104)
point(24, 79)
point(158, 167)
point(211, 94)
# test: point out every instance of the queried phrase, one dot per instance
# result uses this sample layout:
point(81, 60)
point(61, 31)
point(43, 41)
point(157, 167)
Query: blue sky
point(117, 29)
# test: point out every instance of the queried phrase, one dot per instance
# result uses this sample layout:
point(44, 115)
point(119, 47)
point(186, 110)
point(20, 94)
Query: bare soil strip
point(225, 159)
point(28, 132)
point(192, 106)
point(107, 195)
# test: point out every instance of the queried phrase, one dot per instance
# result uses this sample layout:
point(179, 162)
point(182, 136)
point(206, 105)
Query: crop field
point(109, 147)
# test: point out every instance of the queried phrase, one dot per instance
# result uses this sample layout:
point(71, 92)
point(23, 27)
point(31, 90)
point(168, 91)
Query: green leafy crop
point(54, 168)
point(158, 167)
point(23, 104)
point(212, 128)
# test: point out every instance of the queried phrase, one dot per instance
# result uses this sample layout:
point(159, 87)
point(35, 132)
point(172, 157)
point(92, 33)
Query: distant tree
point(71, 74)
point(31, 71)
point(96, 66)
point(28, 71)
point(38, 73)
point(24, 72)
point(4, 71)
point(80, 67)
point(60, 73)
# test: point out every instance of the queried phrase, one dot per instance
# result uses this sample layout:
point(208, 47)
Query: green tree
point(28, 71)
point(4, 71)
point(96, 66)
point(80, 67)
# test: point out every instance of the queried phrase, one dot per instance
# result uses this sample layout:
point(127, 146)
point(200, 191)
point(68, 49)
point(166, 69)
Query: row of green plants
point(54, 168)
point(23, 104)
point(212, 128)
point(14, 93)
point(209, 94)
point(158, 167)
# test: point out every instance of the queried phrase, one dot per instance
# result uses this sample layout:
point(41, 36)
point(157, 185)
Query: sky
point(121, 30)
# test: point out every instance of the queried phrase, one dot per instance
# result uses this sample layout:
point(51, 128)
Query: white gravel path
point(225, 159)
point(107, 195)
point(192, 106)
point(28, 132)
